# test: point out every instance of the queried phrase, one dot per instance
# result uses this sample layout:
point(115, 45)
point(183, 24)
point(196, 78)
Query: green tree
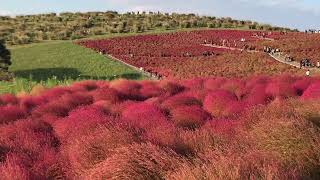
point(5, 62)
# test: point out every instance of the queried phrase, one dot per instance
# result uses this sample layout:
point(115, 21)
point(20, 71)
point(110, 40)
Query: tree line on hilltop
point(26, 29)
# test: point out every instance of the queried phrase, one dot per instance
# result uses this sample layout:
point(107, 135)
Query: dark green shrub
point(5, 62)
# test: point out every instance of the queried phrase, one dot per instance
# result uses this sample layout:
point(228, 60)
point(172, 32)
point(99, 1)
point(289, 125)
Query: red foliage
point(141, 161)
point(143, 115)
point(150, 89)
point(216, 102)
point(11, 113)
point(130, 89)
point(106, 94)
point(280, 90)
point(89, 129)
point(54, 93)
point(192, 54)
point(301, 85)
point(13, 169)
point(60, 107)
point(80, 121)
point(180, 100)
point(196, 84)
point(28, 103)
point(221, 126)
point(189, 117)
point(8, 99)
point(312, 92)
point(258, 96)
point(85, 85)
point(214, 84)
point(171, 88)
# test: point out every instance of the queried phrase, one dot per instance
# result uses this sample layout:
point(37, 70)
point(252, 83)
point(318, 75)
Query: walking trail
point(148, 74)
point(277, 57)
point(228, 48)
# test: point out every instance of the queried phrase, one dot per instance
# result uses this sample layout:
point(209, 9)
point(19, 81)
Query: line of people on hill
point(272, 51)
point(303, 63)
point(312, 31)
point(229, 44)
point(102, 52)
point(277, 52)
point(262, 34)
point(151, 73)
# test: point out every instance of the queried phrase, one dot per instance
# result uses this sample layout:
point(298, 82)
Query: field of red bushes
point(182, 55)
point(204, 128)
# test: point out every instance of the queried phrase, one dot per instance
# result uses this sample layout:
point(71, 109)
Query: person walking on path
point(318, 64)
point(308, 73)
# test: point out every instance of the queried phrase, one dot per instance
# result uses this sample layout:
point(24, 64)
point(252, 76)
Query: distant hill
point(69, 26)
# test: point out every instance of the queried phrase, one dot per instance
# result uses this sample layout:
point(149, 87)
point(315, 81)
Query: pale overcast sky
point(301, 14)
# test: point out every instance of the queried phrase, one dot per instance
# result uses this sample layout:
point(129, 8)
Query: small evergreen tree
point(5, 62)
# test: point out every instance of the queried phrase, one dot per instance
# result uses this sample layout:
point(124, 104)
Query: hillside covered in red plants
point(205, 128)
point(184, 55)
point(297, 45)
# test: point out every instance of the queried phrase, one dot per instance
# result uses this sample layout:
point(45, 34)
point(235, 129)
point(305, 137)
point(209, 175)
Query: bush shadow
point(68, 74)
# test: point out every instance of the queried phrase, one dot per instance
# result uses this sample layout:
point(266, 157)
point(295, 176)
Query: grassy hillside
point(58, 63)
point(69, 26)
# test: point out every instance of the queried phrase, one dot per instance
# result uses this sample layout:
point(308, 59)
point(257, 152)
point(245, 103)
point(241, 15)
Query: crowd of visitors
point(312, 31)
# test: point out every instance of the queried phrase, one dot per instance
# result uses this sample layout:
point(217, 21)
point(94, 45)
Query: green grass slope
point(59, 63)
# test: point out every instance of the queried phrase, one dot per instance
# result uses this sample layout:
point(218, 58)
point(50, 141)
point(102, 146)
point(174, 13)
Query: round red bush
point(143, 115)
point(11, 113)
point(180, 100)
point(189, 117)
point(214, 84)
point(216, 102)
point(312, 92)
point(8, 99)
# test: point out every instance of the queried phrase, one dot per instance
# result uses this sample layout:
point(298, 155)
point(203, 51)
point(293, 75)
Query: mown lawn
point(60, 63)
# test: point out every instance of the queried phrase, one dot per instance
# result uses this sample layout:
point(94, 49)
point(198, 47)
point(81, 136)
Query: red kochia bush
point(197, 83)
point(217, 101)
point(27, 135)
point(80, 121)
point(214, 84)
point(88, 150)
point(11, 113)
point(150, 89)
point(180, 100)
point(301, 85)
point(85, 85)
point(55, 93)
point(29, 103)
point(61, 107)
point(138, 161)
point(258, 96)
point(189, 117)
point(235, 86)
point(8, 99)
point(143, 115)
point(312, 92)
point(14, 169)
point(221, 126)
point(106, 94)
point(280, 90)
point(170, 87)
point(130, 89)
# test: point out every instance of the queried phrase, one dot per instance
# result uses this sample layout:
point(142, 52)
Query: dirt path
point(281, 59)
point(228, 48)
point(150, 75)
point(296, 64)
point(263, 38)
point(276, 57)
